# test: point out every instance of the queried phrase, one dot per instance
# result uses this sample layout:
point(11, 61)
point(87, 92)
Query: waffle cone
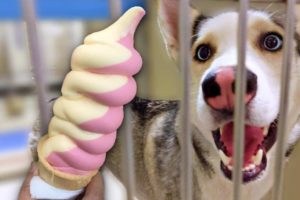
point(60, 179)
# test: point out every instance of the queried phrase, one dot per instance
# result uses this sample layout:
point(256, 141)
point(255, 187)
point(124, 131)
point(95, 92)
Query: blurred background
point(62, 25)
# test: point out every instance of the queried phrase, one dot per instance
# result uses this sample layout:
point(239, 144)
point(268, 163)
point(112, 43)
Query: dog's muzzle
point(219, 94)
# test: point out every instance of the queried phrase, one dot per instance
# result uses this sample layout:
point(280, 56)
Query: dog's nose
point(219, 88)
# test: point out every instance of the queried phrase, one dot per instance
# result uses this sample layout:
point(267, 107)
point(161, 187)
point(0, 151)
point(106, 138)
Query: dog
point(156, 123)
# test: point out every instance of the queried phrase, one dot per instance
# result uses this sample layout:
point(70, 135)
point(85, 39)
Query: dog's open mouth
point(258, 141)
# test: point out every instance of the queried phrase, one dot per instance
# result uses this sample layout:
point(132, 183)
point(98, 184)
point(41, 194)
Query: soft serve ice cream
point(90, 109)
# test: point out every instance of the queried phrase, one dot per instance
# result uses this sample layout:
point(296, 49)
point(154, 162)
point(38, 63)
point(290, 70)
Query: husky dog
point(156, 125)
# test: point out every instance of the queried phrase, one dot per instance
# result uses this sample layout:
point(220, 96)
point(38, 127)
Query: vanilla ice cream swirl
point(90, 109)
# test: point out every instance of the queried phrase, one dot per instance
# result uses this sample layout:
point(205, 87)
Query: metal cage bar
point(36, 61)
point(127, 140)
point(284, 99)
point(239, 117)
point(115, 8)
point(185, 61)
point(128, 158)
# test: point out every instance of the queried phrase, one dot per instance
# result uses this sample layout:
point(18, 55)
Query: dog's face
point(214, 52)
point(215, 61)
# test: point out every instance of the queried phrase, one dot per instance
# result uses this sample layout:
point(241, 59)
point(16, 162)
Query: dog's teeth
point(258, 157)
point(249, 167)
point(226, 160)
point(246, 168)
point(266, 130)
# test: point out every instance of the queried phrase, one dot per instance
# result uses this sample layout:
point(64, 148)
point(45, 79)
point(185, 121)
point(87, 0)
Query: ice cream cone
point(90, 109)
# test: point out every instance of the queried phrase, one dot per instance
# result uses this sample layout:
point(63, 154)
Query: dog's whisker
point(276, 12)
point(268, 7)
point(194, 36)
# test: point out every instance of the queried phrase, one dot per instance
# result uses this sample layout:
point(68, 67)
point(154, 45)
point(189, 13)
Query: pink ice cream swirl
point(90, 109)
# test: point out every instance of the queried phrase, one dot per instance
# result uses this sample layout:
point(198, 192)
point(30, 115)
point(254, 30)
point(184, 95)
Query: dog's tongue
point(253, 137)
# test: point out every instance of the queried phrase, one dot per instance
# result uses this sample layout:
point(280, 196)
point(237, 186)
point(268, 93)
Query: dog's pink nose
point(218, 88)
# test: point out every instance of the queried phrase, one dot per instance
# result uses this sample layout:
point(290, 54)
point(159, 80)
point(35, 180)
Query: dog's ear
point(168, 16)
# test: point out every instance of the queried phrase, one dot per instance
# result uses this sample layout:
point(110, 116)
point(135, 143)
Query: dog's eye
point(203, 53)
point(272, 42)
